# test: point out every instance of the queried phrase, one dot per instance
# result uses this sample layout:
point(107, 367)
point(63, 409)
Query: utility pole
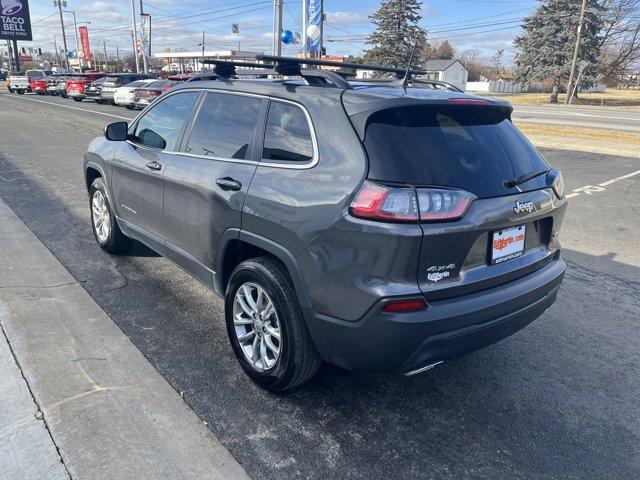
point(106, 63)
point(16, 55)
point(277, 27)
point(202, 64)
point(304, 28)
point(134, 33)
point(117, 58)
point(60, 4)
point(55, 46)
point(575, 52)
point(11, 62)
point(144, 56)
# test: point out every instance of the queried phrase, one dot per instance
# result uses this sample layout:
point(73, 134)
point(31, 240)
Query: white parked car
point(123, 96)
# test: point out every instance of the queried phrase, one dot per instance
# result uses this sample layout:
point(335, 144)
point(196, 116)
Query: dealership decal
point(15, 21)
point(435, 273)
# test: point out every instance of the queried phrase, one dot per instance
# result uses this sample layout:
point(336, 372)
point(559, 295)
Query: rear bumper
point(403, 343)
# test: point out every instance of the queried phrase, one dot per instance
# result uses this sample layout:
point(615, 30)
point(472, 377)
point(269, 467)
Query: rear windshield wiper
point(523, 178)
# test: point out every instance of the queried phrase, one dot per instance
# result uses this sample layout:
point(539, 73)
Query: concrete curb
point(110, 414)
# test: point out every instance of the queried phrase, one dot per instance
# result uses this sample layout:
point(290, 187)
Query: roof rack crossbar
point(330, 63)
point(423, 81)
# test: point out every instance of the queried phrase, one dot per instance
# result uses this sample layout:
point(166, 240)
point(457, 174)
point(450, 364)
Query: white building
point(450, 71)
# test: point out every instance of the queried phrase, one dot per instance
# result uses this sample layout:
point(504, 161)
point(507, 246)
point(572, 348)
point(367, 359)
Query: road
point(560, 399)
point(580, 116)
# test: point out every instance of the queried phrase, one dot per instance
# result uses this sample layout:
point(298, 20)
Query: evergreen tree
point(438, 51)
point(396, 33)
point(545, 49)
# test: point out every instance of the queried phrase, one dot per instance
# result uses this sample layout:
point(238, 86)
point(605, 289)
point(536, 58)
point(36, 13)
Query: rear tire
point(129, 107)
point(103, 222)
point(77, 99)
point(276, 310)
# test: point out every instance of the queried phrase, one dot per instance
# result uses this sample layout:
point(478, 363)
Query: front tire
point(77, 99)
point(265, 327)
point(103, 222)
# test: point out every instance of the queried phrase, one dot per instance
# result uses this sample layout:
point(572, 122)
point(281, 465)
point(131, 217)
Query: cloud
point(347, 18)
point(103, 11)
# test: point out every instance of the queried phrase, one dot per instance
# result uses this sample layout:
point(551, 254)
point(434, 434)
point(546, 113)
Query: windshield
point(472, 148)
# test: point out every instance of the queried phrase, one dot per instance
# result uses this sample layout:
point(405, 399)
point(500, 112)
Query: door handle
point(154, 165)
point(228, 183)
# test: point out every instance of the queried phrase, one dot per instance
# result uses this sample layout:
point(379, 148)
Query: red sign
point(84, 41)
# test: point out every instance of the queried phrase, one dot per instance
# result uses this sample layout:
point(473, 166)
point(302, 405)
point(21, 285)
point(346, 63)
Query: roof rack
point(413, 81)
point(282, 66)
point(398, 72)
point(288, 66)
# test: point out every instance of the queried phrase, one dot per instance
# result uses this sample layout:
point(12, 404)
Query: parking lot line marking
point(604, 184)
point(68, 106)
point(629, 175)
point(569, 195)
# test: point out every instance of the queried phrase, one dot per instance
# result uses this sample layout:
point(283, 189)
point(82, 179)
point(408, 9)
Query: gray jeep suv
point(372, 225)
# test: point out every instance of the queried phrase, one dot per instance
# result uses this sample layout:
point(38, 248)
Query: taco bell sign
point(15, 22)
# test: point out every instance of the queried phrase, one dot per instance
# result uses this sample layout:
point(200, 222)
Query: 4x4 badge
point(524, 207)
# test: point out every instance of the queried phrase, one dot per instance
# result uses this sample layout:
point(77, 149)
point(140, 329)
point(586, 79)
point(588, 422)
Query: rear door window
point(472, 148)
point(161, 126)
point(287, 136)
point(225, 126)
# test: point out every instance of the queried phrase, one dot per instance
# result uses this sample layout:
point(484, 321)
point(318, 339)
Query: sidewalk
point(78, 400)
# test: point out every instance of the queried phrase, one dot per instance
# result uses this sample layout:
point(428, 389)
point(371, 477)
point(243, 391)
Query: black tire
point(64, 95)
point(298, 360)
point(130, 107)
point(20, 92)
point(99, 102)
point(77, 99)
point(115, 241)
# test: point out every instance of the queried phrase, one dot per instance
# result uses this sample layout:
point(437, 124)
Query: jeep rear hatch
point(478, 188)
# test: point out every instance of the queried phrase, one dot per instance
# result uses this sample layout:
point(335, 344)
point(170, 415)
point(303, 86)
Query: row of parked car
point(130, 90)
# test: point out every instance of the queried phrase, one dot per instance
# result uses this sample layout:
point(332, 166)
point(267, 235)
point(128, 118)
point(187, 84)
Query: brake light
point(380, 202)
point(404, 306)
point(438, 204)
point(469, 101)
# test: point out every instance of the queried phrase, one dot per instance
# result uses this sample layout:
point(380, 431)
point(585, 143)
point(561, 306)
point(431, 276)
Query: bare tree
point(620, 40)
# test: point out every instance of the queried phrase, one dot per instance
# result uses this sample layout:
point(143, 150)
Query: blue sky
point(487, 25)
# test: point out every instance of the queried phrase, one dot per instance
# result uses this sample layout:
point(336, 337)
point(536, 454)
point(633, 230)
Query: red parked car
point(39, 85)
point(76, 84)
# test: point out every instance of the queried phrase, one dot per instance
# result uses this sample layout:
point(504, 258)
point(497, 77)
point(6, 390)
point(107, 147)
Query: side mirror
point(116, 132)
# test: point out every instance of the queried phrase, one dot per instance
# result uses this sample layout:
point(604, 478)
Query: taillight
point(406, 204)
point(438, 204)
point(380, 202)
point(404, 306)
point(554, 178)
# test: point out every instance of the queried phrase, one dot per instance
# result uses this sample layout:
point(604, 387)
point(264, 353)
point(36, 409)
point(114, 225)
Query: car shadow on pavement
point(557, 400)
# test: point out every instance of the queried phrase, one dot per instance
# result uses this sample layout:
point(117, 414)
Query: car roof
point(360, 97)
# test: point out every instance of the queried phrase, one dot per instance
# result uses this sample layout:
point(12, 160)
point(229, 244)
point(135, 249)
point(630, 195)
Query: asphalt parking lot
point(560, 399)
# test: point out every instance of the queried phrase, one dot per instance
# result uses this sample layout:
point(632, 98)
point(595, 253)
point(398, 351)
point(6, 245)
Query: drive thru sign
point(15, 22)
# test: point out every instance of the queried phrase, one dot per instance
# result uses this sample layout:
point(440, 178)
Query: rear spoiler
point(361, 112)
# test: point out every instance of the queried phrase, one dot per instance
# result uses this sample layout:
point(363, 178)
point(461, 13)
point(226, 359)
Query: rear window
point(112, 79)
point(472, 148)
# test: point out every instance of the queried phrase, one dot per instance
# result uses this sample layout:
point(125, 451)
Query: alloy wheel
point(257, 326)
point(100, 214)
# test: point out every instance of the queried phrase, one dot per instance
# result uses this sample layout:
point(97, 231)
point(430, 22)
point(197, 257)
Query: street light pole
point(75, 27)
point(60, 4)
point(134, 32)
point(144, 57)
point(106, 62)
